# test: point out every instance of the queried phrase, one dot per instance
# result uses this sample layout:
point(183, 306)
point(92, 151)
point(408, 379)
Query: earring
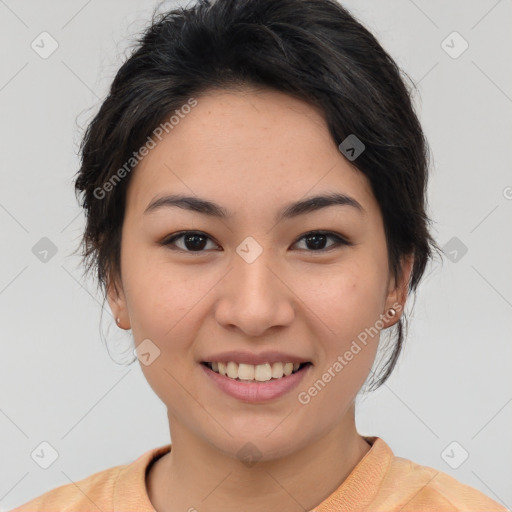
point(118, 320)
point(392, 312)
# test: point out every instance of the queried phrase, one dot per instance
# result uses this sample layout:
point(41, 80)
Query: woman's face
point(252, 281)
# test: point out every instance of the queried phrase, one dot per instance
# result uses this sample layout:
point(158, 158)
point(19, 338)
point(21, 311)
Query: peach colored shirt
point(380, 482)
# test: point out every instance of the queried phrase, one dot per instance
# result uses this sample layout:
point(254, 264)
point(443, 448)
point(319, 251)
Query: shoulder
point(94, 492)
point(422, 488)
point(117, 488)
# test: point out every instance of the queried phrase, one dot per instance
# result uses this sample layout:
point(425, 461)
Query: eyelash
point(339, 240)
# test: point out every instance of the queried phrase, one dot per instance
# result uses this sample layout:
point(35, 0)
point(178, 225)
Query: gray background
point(58, 382)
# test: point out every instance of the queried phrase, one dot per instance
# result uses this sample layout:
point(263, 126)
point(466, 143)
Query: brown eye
point(316, 240)
point(196, 241)
point(193, 241)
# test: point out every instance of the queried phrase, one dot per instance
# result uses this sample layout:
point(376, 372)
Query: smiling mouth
point(255, 373)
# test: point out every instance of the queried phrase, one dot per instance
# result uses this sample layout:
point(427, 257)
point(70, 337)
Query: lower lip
point(257, 391)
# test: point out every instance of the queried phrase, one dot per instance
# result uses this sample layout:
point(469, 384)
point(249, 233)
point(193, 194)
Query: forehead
point(247, 148)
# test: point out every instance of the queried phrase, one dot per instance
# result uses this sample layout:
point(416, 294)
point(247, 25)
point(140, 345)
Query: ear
point(398, 291)
point(117, 303)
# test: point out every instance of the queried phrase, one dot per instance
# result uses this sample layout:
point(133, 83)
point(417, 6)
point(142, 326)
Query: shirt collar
point(354, 492)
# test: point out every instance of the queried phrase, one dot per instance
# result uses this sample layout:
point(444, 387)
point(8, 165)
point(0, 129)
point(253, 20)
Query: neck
point(196, 475)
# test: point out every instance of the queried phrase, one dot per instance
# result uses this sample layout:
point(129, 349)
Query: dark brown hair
point(314, 50)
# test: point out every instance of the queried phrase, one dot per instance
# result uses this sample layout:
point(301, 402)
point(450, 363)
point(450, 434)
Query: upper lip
point(240, 356)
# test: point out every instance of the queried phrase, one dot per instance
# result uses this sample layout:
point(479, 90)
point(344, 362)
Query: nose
point(255, 296)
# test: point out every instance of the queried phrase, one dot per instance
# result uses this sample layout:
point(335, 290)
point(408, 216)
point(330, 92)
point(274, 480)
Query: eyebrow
point(206, 207)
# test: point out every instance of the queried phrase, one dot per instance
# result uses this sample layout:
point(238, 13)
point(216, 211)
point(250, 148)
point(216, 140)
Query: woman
point(254, 188)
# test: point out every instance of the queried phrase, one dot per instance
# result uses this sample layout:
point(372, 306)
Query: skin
point(253, 151)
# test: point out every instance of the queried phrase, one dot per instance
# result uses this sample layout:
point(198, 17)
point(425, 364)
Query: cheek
point(163, 300)
point(162, 311)
point(162, 306)
point(343, 299)
point(346, 307)
point(346, 304)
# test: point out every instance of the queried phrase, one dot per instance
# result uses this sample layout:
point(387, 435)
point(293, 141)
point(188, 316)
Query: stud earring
point(118, 320)
point(392, 312)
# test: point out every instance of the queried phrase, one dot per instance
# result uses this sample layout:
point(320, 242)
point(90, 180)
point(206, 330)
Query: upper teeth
point(259, 372)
